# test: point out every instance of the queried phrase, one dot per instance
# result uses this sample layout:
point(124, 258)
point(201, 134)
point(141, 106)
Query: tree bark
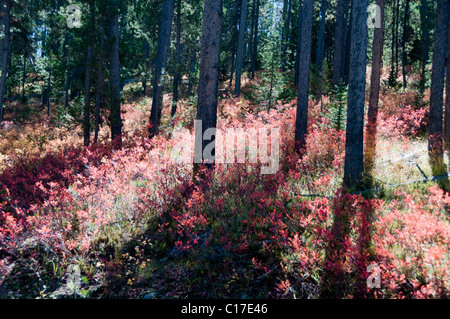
point(209, 78)
point(192, 63)
point(6, 49)
point(115, 116)
point(47, 92)
point(397, 24)
point(447, 93)
point(255, 42)
point(404, 38)
point(348, 41)
point(252, 29)
point(374, 95)
point(24, 72)
point(299, 41)
point(425, 39)
point(285, 33)
point(99, 94)
point(393, 30)
point(354, 161)
point(233, 44)
point(301, 123)
point(168, 8)
point(435, 126)
point(320, 46)
point(146, 54)
point(339, 42)
point(87, 81)
point(66, 60)
point(176, 78)
point(240, 48)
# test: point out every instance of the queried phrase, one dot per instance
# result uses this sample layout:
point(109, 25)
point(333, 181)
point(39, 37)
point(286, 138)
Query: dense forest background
point(95, 94)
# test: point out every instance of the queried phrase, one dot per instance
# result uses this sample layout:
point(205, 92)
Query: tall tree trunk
point(47, 92)
point(255, 41)
point(397, 24)
point(320, 46)
point(299, 41)
point(99, 94)
point(252, 29)
point(339, 42)
point(404, 38)
point(24, 72)
point(354, 160)
point(6, 49)
point(192, 63)
point(233, 46)
point(176, 78)
point(66, 60)
point(435, 134)
point(209, 80)
point(146, 55)
point(374, 94)
point(301, 122)
point(67, 87)
point(393, 30)
point(285, 32)
point(447, 93)
point(240, 48)
point(87, 97)
point(425, 39)
point(348, 41)
point(114, 71)
point(87, 81)
point(168, 8)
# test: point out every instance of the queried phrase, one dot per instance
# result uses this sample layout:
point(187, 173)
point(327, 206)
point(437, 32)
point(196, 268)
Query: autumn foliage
point(136, 221)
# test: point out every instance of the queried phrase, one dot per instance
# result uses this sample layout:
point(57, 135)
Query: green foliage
point(392, 83)
point(73, 115)
point(288, 91)
point(337, 109)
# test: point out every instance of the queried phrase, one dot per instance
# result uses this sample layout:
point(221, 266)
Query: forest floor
point(102, 223)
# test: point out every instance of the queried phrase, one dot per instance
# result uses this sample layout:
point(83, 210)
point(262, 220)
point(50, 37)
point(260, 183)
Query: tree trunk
point(6, 49)
point(397, 24)
point(47, 92)
point(285, 32)
point(348, 41)
point(240, 48)
point(354, 161)
point(233, 44)
point(115, 116)
point(393, 36)
point(209, 80)
point(99, 95)
point(282, 34)
point(299, 41)
point(447, 93)
point(404, 38)
point(339, 41)
point(176, 78)
point(425, 39)
point(24, 72)
point(87, 81)
point(435, 134)
point(320, 46)
point(192, 63)
point(146, 55)
point(66, 60)
point(168, 8)
point(255, 42)
point(252, 29)
point(301, 123)
point(377, 55)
